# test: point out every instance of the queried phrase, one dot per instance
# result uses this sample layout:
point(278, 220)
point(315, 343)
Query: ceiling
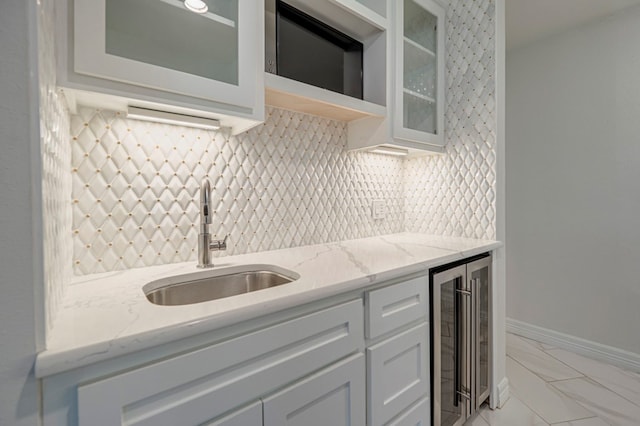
point(530, 20)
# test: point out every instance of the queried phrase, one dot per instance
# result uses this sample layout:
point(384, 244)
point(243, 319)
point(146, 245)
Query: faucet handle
point(219, 244)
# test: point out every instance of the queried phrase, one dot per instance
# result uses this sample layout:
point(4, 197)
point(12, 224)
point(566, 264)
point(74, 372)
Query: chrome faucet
point(205, 244)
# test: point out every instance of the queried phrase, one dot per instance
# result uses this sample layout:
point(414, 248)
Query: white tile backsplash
point(56, 161)
point(454, 194)
point(288, 182)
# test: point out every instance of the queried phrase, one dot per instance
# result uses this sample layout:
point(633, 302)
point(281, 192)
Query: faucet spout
point(205, 244)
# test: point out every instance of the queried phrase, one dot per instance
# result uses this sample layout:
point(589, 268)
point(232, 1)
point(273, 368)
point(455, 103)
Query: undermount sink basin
point(216, 284)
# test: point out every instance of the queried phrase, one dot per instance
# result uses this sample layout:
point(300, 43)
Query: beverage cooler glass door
point(479, 276)
point(451, 374)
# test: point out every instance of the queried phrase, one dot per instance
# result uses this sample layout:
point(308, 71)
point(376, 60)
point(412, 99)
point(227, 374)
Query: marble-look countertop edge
point(51, 362)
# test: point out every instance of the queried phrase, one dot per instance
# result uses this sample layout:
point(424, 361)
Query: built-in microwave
point(302, 48)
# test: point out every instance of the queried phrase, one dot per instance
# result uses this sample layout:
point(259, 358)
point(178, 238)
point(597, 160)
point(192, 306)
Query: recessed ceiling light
point(197, 6)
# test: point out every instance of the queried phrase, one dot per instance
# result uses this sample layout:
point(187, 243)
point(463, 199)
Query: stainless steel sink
point(216, 284)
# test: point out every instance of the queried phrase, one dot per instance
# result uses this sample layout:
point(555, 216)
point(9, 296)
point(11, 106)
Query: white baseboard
point(502, 394)
point(598, 351)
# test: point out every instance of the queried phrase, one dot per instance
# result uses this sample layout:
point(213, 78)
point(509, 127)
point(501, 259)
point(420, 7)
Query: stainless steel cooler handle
point(463, 340)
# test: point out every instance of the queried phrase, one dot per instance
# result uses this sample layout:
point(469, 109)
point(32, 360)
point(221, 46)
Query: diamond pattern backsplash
point(454, 194)
point(288, 182)
point(285, 183)
point(56, 161)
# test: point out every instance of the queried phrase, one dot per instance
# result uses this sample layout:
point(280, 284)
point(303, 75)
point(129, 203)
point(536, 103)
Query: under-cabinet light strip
point(390, 151)
point(155, 116)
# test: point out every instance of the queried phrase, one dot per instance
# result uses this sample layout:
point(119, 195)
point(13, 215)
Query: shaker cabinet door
point(204, 384)
point(398, 373)
point(247, 416)
point(335, 396)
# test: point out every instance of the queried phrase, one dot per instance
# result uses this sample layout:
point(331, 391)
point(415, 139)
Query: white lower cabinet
point(398, 352)
point(335, 396)
point(309, 366)
point(398, 372)
point(417, 415)
point(205, 384)
point(395, 306)
point(247, 416)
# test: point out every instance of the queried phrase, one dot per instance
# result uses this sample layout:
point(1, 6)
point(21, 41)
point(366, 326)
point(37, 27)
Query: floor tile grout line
point(550, 384)
point(581, 404)
point(560, 361)
point(542, 378)
point(611, 390)
point(513, 395)
point(554, 389)
point(577, 420)
point(576, 353)
point(594, 379)
point(584, 375)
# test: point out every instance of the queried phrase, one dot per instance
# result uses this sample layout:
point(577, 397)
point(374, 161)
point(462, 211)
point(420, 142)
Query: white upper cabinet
point(415, 63)
point(418, 98)
point(419, 90)
point(159, 54)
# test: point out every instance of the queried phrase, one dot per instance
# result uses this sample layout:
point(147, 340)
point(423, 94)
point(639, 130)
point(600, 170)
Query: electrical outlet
point(378, 209)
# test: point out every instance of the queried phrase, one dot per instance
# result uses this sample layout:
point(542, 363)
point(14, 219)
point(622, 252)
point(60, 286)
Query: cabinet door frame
point(348, 373)
point(88, 27)
point(471, 268)
point(250, 415)
point(399, 131)
point(209, 381)
point(382, 407)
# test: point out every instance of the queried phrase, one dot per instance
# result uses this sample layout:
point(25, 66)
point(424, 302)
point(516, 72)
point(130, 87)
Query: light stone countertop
point(107, 315)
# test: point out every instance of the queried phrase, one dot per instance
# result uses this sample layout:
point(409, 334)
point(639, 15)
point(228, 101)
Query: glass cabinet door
point(167, 34)
point(419, 71)
point(162, 44)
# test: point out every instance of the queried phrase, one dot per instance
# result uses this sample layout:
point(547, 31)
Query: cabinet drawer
point(417, 415)
point(204, 384)
point(398, 372)
point(334, 396)
point(397, 305)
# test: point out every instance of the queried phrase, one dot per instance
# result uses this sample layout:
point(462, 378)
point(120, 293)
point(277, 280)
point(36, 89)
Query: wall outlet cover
point(378, 209)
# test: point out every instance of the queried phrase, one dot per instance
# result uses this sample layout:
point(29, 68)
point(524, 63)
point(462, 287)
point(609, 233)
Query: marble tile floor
point(552, 386)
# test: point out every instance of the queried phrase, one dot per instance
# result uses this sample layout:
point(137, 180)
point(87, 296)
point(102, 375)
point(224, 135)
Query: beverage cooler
point(461, 339)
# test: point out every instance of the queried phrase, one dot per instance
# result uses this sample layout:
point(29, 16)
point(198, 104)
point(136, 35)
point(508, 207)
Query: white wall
point(573, 182)
point(20, 257)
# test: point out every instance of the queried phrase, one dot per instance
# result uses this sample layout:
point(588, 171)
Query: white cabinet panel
point(335, 396)
point(248, 416)
point(397, 305)
point(159, 55)
point(419, 72)
point(398, 372)
point(418, 415)
point(115, 40)
point(201, 385)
